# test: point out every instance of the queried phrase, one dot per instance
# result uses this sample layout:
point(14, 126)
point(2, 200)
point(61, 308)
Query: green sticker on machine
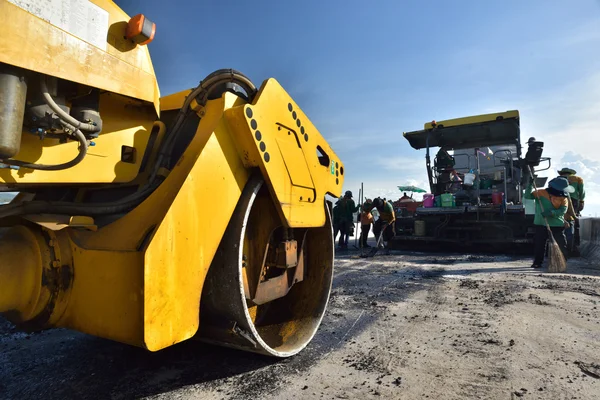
point(333, 168)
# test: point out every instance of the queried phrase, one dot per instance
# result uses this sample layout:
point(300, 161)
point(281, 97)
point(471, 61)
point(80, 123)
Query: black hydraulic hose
point(70, 208)
point(83, 147)
point(201, 94)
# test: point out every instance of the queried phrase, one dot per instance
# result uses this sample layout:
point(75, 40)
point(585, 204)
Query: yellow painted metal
point(126, 122)
point(275, 135)
point(184, 245)
point(476, 119)
point(21, 274)
point(139, 279)
point(107, 297)
point(173, 101)
point(37, 45)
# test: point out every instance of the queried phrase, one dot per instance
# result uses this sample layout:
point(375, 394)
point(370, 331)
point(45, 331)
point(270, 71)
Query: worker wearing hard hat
point(578, 199)
point(346, 225)
point(366, 220)
point(578, 195)
point(553, 201)
point(385, 225)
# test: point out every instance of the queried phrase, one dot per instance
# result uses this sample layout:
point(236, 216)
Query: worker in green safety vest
point(347, 207)
point(554, 202)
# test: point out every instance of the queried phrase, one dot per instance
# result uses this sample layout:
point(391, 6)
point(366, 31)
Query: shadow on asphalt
point(61, 364)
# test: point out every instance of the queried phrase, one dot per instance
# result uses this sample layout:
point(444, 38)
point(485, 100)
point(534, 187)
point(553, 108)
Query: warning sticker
point(80, 18)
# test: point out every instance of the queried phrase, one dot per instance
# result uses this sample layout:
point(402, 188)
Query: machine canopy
point(469, 132)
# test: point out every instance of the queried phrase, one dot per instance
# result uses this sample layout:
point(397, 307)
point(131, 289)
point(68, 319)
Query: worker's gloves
point(581, 206)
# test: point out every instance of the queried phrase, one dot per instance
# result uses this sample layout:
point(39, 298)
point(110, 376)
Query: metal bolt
point(56, 264)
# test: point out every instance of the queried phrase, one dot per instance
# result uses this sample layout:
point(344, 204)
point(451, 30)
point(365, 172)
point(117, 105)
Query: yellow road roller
point(151, 220)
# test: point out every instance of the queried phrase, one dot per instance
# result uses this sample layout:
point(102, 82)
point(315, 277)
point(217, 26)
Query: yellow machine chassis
point(139, 279)
point(137, 276)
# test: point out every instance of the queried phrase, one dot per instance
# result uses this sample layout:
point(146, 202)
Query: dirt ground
point(404, 326)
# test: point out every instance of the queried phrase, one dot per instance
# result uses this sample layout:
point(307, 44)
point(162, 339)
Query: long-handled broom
point(556, 258)
point(375, 249)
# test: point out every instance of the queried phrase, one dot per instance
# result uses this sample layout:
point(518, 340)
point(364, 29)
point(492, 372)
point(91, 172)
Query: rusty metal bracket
point(292, 264)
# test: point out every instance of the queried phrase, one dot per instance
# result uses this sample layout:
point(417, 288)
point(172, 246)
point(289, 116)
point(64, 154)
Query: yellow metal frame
point(139, 279)
point(476, 119)
point(36, 45)
point(126, 122)
point(128, 108)
point(276, 136)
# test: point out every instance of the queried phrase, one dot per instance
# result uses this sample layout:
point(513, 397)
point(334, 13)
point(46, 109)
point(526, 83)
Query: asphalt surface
point(407, 325)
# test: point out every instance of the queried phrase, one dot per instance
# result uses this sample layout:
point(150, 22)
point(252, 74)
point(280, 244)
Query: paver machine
point(151, 220)
point(477, 180)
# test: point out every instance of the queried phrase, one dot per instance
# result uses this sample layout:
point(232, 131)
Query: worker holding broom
point(385, 225)
point(551, 206)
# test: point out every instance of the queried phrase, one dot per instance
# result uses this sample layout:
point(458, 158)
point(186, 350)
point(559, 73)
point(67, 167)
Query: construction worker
point(346, 225)
point(553, 201)
point(385, 225)
point(336, 220)
point(405, 198)
point(366, 219)
point(578, 199)
point(570, 220)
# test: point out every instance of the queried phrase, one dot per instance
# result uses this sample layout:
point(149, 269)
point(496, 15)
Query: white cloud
point(403, 164)
point(567, 120)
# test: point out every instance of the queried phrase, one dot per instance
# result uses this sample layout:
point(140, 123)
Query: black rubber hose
point(200, 94)
point(39, 207)
point(131, 201)
point(83, 146)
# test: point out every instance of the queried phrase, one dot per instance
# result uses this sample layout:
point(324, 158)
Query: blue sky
point(364, 72)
